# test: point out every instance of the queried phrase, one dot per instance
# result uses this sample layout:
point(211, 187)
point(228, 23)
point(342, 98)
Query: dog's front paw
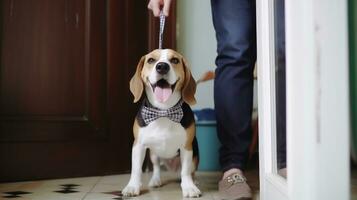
point(155, 182)
point(190, 190)
point(131, 190)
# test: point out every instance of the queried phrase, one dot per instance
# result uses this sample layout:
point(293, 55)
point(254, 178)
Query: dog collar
point(150, 113)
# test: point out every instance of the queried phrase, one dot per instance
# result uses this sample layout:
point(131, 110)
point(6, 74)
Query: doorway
point(317, 108)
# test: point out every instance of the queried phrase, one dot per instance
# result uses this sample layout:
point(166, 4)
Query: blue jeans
point(235, 25)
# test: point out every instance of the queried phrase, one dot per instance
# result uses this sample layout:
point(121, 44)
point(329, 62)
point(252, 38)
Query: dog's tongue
point(162, 94)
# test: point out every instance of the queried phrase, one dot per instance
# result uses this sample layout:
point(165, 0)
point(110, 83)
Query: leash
point(162, 26)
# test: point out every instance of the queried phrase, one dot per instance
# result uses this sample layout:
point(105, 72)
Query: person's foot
point(282, 172)
point(233, 186)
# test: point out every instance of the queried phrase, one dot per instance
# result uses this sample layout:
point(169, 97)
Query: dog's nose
point(162, 68)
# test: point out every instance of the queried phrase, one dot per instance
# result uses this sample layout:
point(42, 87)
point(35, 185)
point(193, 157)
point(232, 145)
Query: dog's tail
point(209, 75)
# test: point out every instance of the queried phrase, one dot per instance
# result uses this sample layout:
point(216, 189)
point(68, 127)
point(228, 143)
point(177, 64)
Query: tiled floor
point(108, 188)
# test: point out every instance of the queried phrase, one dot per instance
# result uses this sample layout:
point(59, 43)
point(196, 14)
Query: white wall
point(196, 40)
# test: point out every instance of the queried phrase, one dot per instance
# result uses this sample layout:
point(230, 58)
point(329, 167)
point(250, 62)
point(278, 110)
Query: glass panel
point(280, 85)
point(352, 6)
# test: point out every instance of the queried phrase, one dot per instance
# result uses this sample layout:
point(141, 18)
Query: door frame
point(317, 100)
point(272, 186)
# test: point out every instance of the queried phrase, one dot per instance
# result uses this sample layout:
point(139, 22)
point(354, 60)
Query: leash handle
point(162, 26)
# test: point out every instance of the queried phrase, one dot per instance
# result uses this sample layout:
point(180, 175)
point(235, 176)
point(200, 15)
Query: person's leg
point(234, 22)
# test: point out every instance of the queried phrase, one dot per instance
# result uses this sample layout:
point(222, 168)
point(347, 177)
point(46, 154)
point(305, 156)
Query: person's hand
point(155, 6)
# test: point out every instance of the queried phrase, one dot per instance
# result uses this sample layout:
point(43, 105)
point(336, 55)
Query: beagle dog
point(165, 122)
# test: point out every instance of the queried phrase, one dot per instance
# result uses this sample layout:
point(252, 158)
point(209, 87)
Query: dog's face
point(163, 72)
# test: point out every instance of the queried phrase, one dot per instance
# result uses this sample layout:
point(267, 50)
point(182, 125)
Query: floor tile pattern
point(109, 188)
point(15, 194)
point(68, 188)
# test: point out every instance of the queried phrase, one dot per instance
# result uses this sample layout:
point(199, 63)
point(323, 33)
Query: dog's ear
point(136, 83)
point(189, 85)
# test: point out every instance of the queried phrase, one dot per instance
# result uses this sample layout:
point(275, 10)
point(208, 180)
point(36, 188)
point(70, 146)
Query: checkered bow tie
point(150, 113)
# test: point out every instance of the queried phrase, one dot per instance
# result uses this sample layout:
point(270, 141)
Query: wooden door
point(65, 107)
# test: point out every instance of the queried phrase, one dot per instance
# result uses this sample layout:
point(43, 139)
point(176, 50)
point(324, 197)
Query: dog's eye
point(151, 60)
point(175, 60)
